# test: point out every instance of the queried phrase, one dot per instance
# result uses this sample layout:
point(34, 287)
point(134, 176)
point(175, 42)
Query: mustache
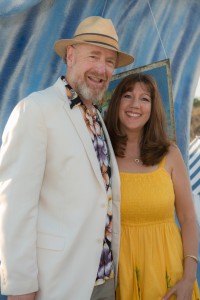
point(98, 76)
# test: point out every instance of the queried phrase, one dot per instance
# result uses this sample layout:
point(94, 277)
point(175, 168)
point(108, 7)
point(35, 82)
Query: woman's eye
point(127, 96)
point(146, 99)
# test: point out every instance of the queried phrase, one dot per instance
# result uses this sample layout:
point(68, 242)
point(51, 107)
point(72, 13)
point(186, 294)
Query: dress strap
point(162, 163)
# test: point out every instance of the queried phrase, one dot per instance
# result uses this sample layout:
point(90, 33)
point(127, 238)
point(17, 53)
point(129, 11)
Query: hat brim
point(123, 59)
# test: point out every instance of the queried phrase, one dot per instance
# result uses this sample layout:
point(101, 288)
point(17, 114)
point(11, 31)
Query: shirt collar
point(74, 99)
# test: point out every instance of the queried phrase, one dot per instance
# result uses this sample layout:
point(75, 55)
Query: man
point(59, 213)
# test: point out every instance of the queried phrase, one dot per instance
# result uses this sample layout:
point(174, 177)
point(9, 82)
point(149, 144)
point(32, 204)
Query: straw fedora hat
point(96, 31)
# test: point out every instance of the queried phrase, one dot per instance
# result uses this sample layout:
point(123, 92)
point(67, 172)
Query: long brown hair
point(154, 142)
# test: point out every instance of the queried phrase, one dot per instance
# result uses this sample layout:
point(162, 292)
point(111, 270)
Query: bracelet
point(192, 256)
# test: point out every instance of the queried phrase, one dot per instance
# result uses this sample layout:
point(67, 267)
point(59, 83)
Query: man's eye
point(92, 57)
point(111, 63)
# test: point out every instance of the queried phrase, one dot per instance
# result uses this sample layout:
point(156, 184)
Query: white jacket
point(53, 202)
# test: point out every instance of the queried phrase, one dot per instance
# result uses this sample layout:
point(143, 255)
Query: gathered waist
point(149, 223)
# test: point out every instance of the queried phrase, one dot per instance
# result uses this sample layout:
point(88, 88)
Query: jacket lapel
point(79, 124)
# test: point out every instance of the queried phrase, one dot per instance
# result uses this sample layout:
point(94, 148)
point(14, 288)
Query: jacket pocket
point(51, 242)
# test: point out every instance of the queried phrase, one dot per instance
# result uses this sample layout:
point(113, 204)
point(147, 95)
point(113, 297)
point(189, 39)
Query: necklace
point(137, 161)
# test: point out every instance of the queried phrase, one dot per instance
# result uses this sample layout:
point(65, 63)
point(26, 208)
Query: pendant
point(137, 161)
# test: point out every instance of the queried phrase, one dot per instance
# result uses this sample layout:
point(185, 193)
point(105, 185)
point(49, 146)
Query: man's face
point(90, 70)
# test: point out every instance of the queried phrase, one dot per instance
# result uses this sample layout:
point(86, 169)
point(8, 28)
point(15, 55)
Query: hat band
point(98, 39)
point(105, 44)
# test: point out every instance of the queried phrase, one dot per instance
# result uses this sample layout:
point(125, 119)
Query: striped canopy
point(194, 165)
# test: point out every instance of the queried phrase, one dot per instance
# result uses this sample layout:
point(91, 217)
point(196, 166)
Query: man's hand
point(30, 296)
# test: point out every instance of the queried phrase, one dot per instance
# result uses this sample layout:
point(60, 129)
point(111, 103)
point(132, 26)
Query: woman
point(156, 260)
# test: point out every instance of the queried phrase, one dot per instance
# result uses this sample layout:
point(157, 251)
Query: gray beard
point(94, 96)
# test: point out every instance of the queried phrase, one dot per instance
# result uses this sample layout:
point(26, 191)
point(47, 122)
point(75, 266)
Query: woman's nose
point(135, 102)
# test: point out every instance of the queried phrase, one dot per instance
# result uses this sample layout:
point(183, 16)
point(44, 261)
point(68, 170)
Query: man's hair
point(154, 143)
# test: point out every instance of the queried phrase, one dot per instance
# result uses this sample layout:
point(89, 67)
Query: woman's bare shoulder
point(174, 150)
point(173, 158)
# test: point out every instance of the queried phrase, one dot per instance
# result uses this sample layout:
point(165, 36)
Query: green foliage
point(196, 102)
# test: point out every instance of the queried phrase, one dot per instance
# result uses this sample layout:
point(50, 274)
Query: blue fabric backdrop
point(151, 30)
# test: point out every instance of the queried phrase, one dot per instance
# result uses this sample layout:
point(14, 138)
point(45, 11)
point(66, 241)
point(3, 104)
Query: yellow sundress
point(151, 253)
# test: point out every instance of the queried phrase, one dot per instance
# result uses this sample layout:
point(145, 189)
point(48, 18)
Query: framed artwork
point(162, 74)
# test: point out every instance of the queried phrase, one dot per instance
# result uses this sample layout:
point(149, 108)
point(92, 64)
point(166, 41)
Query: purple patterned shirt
point(93, 123)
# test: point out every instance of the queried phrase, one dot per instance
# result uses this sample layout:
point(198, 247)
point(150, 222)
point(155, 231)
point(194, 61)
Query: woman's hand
point(182, 289)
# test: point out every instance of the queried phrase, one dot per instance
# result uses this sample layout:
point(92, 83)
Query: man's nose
point(101, 66)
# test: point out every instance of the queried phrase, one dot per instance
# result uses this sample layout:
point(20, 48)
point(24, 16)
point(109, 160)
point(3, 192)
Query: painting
point(161, 72)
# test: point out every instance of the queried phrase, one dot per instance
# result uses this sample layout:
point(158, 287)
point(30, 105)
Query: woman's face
point(135, 108)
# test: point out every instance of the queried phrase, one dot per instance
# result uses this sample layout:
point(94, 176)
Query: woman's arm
point(187, 219)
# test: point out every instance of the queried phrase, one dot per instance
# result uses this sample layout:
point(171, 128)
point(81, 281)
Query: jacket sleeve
point(22, 163)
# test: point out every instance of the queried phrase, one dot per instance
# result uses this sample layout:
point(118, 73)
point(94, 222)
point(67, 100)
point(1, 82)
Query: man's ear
point(69, 55)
